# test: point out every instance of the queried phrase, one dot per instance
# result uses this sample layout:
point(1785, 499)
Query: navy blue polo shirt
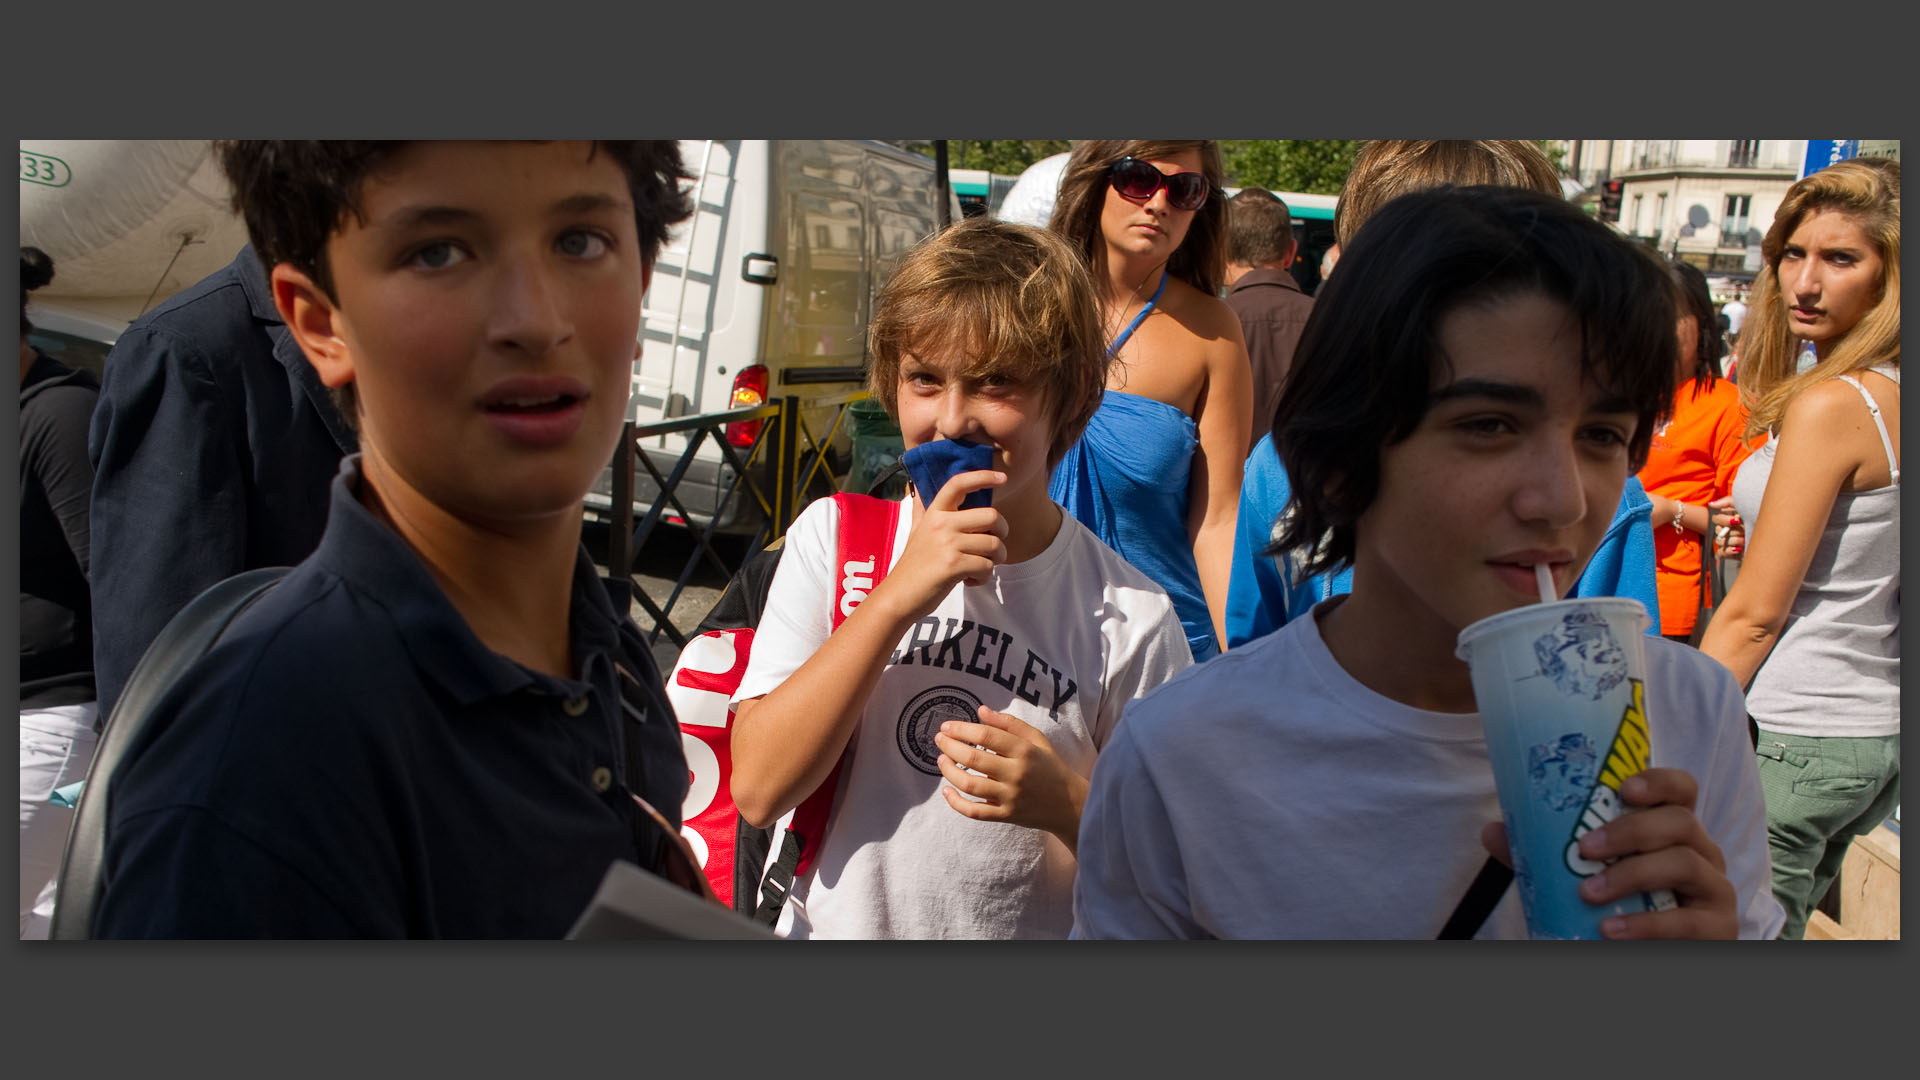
point(351, 761)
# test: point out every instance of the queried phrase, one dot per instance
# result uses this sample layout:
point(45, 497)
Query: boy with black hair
point(1470, 397)
point(980, 677)
point(425, 729)
point(1262, 593)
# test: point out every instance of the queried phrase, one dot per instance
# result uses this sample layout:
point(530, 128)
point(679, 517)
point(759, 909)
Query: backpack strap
point(1481, 898)
point(863, 553)
point(865, 549)
point(188, 636)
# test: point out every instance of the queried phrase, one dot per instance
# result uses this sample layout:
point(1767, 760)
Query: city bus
point(980, 192)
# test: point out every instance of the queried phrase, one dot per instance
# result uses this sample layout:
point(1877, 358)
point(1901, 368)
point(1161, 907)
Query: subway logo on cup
point(1627, 756)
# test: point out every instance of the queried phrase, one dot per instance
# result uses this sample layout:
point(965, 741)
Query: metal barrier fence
point(776, 472)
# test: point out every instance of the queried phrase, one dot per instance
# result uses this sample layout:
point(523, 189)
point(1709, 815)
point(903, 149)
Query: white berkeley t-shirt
point(1063, 641)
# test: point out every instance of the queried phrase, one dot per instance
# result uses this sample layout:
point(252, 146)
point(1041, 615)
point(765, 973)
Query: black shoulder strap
point(779, 879)
point(745, 596)
point(1478, 903)
point(750, 849)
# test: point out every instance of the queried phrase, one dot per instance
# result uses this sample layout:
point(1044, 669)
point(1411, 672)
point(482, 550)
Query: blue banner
point(1824, 152)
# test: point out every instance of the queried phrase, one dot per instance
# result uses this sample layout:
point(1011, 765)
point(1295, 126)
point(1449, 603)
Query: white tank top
point(1836, 669)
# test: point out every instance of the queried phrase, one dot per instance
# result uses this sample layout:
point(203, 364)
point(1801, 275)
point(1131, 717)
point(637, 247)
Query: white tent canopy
point(124, 221)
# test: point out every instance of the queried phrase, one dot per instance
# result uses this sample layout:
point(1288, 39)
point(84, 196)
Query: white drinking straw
point(1544, 577)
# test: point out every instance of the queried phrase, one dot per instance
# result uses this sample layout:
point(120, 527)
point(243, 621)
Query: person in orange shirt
point(1694, 455)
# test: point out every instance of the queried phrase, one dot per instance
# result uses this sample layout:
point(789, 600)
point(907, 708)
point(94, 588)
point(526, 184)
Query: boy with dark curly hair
point(437, 725)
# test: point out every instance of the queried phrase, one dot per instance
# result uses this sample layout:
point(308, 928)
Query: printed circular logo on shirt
point(923, 716)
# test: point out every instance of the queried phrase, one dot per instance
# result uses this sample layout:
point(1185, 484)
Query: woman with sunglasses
point(1157, 474)
point(1812, 625)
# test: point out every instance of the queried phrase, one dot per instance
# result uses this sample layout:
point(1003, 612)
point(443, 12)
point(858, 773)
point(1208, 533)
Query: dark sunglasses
point(1138, 180)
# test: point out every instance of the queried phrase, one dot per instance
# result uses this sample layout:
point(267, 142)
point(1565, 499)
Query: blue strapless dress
point(1126, 479)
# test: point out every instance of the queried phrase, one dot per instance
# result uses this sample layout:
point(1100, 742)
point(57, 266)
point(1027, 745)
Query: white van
point(764, 293)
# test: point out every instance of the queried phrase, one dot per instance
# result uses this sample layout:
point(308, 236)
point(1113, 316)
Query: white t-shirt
point(1736, 313)
point(1063, 641)
point(1268, 794)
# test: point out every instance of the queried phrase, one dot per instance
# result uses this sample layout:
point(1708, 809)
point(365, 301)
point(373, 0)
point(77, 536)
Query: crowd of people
point(1180, 662)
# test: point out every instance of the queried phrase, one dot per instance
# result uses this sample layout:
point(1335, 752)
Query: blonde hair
point(1866, 190)
point(1014, 300)
point(1386, 169)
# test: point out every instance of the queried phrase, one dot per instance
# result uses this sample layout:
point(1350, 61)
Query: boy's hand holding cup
point(1600, 842)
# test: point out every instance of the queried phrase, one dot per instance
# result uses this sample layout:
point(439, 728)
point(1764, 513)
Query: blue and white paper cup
point(1561, 689)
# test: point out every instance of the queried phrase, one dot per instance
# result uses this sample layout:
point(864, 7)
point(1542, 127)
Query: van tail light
point(749, 389)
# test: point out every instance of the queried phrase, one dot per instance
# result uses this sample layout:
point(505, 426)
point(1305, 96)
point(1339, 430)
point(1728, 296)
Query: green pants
point(1821, 793)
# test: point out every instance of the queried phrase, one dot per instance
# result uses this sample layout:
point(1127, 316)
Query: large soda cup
point(1561, 691)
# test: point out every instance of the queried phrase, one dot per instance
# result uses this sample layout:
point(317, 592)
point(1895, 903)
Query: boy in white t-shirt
point(1467, 401)
point(974, 685)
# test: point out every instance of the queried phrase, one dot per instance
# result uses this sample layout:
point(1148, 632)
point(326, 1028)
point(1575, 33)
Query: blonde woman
point(1812, 625)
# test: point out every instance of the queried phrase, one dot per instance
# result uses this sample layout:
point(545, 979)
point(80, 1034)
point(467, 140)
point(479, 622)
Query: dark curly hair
point(293, 193)
point(1362, 374)
point(36, 269)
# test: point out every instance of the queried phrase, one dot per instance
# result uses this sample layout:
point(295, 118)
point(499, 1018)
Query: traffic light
point(1610, 200)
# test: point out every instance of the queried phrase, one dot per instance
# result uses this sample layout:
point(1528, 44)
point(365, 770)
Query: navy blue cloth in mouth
point(931, 465)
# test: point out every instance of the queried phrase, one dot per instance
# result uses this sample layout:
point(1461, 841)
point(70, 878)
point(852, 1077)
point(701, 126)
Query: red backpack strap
point(863, 554)
point(863, 551)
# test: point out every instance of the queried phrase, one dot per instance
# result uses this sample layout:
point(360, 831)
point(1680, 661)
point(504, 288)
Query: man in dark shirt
point(440, 723)
point(1272, 309)
point(212, 448)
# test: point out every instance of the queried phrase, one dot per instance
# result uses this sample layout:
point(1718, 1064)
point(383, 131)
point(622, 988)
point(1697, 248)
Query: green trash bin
point(876, 447)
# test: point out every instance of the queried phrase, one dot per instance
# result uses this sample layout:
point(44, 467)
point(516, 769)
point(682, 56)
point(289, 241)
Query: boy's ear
point(314, 319)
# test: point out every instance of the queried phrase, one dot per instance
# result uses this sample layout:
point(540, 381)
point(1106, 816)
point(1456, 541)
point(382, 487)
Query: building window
point(822, 237)
point(1744, 155)
point(1733, 223)
point(1639, 219)
point(1660, 213)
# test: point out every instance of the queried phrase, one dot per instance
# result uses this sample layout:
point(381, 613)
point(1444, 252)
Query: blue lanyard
point(1128, 332)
